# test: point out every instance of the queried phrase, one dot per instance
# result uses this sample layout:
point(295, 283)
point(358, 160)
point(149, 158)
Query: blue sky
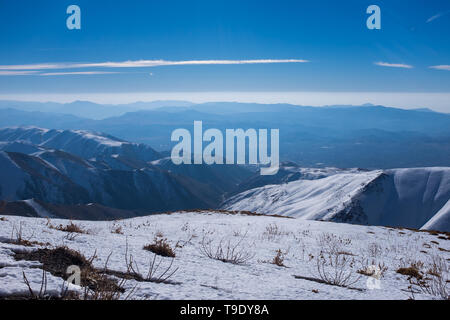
point(331, 35)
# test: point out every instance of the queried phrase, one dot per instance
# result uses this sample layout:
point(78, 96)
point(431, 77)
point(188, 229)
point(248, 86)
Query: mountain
point(85, 144)
point(68, 168)
point(333, 136)
point(414, 198)
point(223, 178)
point(289, 171)
point(87, 109)
point(58, 177)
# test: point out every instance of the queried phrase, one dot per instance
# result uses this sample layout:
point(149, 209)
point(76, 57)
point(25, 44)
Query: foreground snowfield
point(200, 277)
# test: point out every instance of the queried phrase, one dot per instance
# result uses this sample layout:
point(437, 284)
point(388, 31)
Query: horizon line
point(436, 101)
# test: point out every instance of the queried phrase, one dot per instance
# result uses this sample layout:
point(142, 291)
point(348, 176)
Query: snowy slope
point(85, 144)
point(441, 220)
point(287, 172)
point(397, 197)
point(307, 199)
point(200, 277)
point(61, 178)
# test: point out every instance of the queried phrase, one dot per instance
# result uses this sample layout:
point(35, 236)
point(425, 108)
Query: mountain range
point(334, 136)
point(72, 167)
point(75, 170)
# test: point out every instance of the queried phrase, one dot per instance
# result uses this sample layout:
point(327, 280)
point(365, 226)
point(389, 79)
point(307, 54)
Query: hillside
point(397, 197)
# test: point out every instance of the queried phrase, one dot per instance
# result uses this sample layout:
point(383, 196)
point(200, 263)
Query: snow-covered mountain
point(85, 144)
point(290, 171)
point(62, 178)
point(70, 167)
point(415, 198)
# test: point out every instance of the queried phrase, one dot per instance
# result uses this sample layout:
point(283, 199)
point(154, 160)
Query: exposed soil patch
point(56, 261)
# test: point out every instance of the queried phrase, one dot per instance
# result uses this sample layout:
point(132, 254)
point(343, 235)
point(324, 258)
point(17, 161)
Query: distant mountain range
point(337, 136)
point(87, 109)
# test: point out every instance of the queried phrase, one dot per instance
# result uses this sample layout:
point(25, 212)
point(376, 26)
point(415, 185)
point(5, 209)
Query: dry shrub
point(18, 238)
point(71, 228)
point(336, 269)
point(227, 251)
point(332, 244)
point(155, 273)
point(376, 270)
point(273, 231)
point(279, 258)
point(43, 294)
point(374, 250)
point(333, 264)
point(117, 230)
point(410, 272)
point(161, 247)
point(433, 279)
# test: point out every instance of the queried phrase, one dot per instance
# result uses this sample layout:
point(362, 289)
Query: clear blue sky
point(330, 34)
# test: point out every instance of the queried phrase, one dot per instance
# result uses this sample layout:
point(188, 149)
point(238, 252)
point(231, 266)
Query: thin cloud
point(143, 64)
point(437, 16)
point(74, 73)
point(393, 65)
point(17, 73)
point(441, 67)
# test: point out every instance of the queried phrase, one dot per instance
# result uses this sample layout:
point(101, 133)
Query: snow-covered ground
point(200, 277)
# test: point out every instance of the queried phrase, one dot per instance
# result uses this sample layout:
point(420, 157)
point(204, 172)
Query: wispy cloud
point(437, 16)
point(17, 73)
point(142, 64)
point(74, 73)
point(393, 65)
point(441, 67)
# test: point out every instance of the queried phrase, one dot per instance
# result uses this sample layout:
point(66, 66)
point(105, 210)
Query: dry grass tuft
point(410, 272)
point(161, 247)
point(71, 228)
point(117, 230)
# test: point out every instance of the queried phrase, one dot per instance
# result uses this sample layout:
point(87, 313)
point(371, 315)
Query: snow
point(306, 199)
point(395, 197)
point(100, 139)
point(203, 278)
point(440, 220)
point(41, 212)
